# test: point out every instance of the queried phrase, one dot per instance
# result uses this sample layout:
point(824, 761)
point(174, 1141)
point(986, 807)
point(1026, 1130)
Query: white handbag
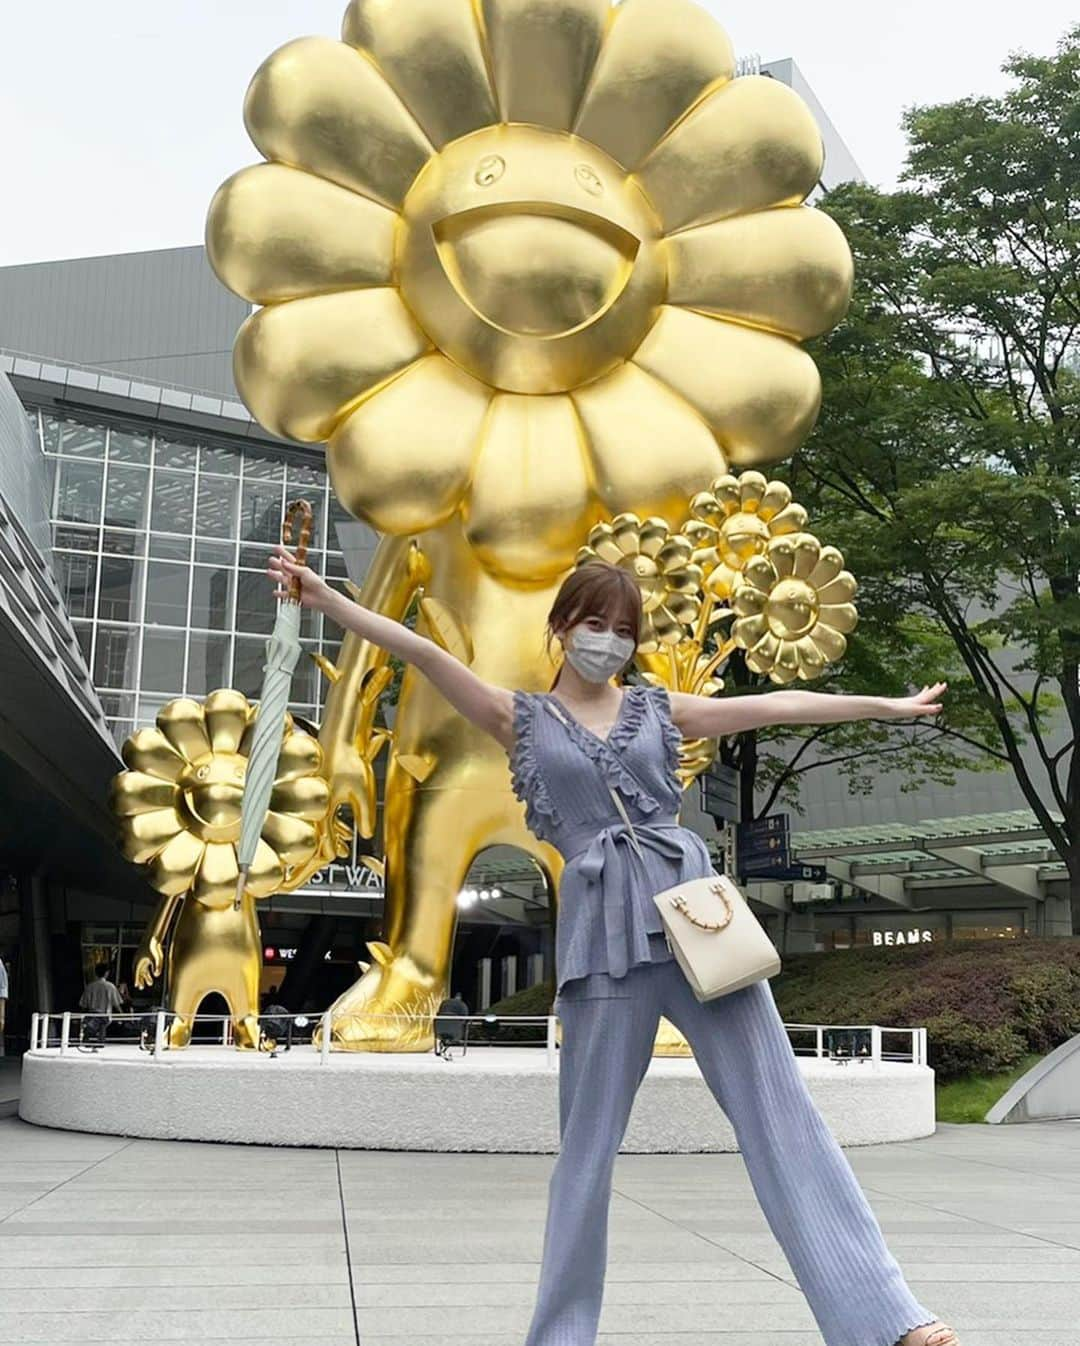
point(715, 937)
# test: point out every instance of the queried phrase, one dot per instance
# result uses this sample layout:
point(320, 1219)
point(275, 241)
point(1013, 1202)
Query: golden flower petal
point(750, 145)
point(215, 881)
point(748, 601)
point(542, 53)
point(602, 542)
point(752, 487)
point(840, 590)
point(300, 755)
point(655, 540)
point(302, 366)
point(320, 105)
point(722, 581)
point(275, 233)
point(294, 839)
point(226, 713)
point(668, 628)
point(806, 551)
point(787, 270)
point(831, 643)
point(775, 498)
point(430, 52)
point(183, 724)
point(402, 460)
point(747, 631)
point(683, 607)
point(626, 530)
point(625, 416)
point(675, 561)
point(150, 751)
point(790, 520)
point(759, 393)
point(811, 660)
point(657, 60)
point(305, 797)
point(785, 667)
point(762, 654)
point(144, 834)
point(829, 566)
point(760, 572)
point(516, 532)
point(266, 874)
point(174, 868)
point(134, 792)
point(841, 617)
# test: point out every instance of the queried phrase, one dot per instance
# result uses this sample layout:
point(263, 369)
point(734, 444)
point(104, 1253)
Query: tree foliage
point(947, 455)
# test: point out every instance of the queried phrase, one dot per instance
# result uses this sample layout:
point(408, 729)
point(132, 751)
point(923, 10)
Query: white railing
point(863, 1044)
point(52, 1033)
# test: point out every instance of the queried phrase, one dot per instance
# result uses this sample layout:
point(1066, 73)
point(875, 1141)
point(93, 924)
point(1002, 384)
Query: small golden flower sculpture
point(793, 608)
point(743, 556)
point(179, 802)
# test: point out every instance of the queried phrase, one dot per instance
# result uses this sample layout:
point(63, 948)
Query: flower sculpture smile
point(494, 223)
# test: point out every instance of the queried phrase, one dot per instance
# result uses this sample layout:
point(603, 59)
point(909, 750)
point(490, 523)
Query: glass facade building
point(161, 542)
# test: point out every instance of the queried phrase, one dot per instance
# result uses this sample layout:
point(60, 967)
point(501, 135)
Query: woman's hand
point(283, 569)
point(908, 707)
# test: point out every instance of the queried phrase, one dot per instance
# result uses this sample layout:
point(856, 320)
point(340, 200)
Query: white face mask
point(597, 655)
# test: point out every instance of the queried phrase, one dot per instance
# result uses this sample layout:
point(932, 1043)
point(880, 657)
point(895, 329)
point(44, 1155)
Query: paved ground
point(106, 1240)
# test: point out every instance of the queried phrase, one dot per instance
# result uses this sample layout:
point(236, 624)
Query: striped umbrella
point(282, 652)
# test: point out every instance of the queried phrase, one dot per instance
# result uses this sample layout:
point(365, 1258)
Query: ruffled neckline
point(604, 751)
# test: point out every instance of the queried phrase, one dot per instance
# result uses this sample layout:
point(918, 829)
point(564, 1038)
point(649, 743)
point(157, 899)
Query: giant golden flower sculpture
point(491, 224)
point(179, 802)
point(793, 608)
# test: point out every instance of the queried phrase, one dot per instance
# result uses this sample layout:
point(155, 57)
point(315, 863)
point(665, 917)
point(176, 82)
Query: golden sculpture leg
point(216, 950)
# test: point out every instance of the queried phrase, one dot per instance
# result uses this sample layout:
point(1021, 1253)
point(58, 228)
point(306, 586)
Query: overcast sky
point(121, 117)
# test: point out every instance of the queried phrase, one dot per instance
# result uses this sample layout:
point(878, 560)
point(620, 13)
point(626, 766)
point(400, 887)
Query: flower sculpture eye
point(490, 233)
point(179, 802)
point(793, 607)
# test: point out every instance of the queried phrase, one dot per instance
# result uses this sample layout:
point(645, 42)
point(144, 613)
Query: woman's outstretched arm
point(485, 704)
point(714, 717)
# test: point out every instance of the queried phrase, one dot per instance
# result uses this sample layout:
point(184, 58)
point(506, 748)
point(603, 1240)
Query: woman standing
point(615, 975)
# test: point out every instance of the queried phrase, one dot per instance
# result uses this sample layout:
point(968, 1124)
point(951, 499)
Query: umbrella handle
point(303, 508)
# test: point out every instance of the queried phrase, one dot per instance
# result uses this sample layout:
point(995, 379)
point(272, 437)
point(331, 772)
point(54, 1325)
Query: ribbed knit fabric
point(615, 977)
point(562, 771)
point(806, 1187)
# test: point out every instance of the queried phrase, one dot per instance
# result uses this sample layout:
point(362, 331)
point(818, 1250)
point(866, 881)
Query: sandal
point(941, 1336)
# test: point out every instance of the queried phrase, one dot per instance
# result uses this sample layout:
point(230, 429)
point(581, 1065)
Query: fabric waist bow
point(603, 850)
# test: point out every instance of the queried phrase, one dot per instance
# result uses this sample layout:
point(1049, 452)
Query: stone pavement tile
point(170, 1299)
point(72, 1204)
point(281, 1326)
point(733, 1289)
point(1066, 1234)
point(330, 1270)
point(28, 1223)
point(148, 1251)
point(788, 1312)
point(1000, 1307)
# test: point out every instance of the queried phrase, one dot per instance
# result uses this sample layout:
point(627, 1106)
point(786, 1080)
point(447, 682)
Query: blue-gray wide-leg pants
point(807, 1189)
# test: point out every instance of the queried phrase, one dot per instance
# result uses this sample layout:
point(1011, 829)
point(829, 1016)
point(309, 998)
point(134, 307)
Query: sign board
point(720, 793)
point(796, 872)
point(764, 846)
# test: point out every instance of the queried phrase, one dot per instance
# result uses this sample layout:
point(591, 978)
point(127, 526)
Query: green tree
point(946, 457)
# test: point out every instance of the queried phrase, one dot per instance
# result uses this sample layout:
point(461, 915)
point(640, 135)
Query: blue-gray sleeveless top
point(605, 908)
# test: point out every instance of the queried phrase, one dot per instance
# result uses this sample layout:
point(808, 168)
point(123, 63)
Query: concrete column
point(34, 922)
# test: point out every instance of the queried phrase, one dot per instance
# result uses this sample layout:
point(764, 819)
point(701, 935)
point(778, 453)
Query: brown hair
point(600, 589)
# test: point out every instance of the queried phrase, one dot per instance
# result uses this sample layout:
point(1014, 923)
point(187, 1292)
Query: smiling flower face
point(534, 262)
point(180, 801)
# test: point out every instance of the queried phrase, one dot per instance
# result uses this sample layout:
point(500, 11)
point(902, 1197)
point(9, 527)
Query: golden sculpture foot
point(670, 1041)
point(390, 1009)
